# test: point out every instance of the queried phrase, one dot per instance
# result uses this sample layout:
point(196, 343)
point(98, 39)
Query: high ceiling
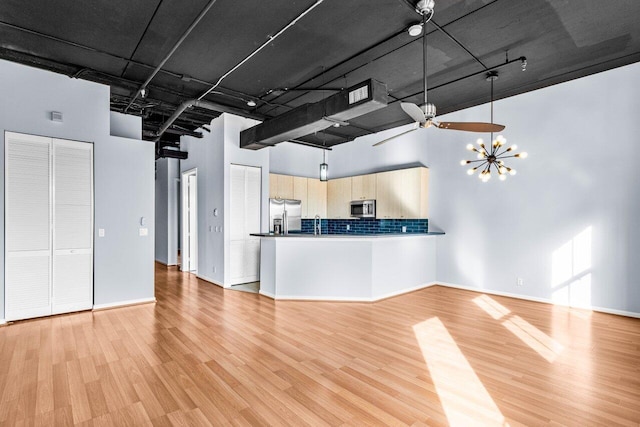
point(335, 45)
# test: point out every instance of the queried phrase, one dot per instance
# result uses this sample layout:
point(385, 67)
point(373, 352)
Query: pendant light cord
point(424, 53)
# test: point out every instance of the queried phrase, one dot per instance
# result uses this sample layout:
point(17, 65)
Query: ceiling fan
point(424, 115)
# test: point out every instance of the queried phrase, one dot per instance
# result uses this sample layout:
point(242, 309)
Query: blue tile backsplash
point(367, 226)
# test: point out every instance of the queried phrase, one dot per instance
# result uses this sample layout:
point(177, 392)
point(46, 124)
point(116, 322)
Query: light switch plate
point(143, 231)
point(100, 232)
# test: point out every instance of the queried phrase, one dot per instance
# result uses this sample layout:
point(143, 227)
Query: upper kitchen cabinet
point(403, 194)
point(300, 192)
point(339, 198)
point(280, 186)
point(363, 187)
point(317, 198)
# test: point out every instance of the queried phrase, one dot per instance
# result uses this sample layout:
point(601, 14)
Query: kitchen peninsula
point(358, 256)
point(345, 267)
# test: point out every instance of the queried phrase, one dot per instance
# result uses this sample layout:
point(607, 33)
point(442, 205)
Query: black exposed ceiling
point(336, 45)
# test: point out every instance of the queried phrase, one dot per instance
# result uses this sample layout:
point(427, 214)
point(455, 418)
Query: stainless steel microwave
point(363, 209)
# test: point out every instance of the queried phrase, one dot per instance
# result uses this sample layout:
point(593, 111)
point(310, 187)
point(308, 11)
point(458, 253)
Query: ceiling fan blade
point(413, 111)
point(415, 127)
point(471, 126)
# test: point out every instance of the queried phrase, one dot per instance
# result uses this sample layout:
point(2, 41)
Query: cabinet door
point(280, 186)
point(73, 226)
point(387, 195)
point(413, 192)
point(27, 226)
point(363, 187)
point(317, 196)
point(300, 192)
point(338, 198)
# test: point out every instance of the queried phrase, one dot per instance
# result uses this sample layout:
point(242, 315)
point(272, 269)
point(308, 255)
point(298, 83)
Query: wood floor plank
point(203, 355)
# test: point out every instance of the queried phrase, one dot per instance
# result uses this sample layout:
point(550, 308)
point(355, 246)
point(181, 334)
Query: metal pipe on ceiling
point(201, 104)
point(171, 52)
point(205, 104)
point(265, 44)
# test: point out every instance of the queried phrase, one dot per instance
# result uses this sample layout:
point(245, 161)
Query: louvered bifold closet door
point(27, 226)
point(73, 226)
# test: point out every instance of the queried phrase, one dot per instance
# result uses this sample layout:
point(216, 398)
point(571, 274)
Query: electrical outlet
point(215, 269)
point(519, 281)
point(348, 227)
point(404, 228)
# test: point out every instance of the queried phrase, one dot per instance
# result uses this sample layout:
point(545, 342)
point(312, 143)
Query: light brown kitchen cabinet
point(403, 194)
point(387, 196)
point(339, 198)
point(317, 198)
point(280, 186)
point(300, 193)
point(363, 187)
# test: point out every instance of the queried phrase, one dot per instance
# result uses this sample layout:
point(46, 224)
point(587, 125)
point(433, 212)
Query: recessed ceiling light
point(251, 103)
point(415, 30)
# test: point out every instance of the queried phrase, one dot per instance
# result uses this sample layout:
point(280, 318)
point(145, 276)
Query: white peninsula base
point(363, 268)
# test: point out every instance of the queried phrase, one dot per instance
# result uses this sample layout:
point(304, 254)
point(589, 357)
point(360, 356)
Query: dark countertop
point(378, 235)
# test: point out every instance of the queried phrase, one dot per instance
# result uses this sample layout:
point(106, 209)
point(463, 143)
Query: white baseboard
point(537, 299)
point(167, 265)
point(210, 280)
point(267, 294)
point(344, 299)
point(404, 291)
point(107, 306)
point(3, 322)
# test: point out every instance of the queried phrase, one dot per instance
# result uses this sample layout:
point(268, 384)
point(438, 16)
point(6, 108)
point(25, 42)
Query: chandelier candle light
point(492, 158)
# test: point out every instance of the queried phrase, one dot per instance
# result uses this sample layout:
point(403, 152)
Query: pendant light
point(492, 157)
point(324, 167)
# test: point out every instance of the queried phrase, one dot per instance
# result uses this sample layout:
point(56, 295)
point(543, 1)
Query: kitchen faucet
point(317, 229)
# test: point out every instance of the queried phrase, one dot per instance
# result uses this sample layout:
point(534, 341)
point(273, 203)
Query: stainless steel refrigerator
point(286, 212)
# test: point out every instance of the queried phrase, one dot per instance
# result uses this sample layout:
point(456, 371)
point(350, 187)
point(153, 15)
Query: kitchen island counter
point(346, 267)
point(349, 235)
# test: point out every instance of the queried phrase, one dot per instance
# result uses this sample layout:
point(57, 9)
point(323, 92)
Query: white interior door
point(245, 199)
point(193, 222)
point(27, 226)
point(73, 226)
point(189, 220)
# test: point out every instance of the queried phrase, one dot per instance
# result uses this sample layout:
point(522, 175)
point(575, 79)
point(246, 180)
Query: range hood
point(347, 104)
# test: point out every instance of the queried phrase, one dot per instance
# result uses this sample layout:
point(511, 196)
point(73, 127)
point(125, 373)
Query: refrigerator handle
point(285, 225)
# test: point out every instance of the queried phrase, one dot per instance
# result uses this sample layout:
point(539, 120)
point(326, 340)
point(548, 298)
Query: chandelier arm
point(508, 157)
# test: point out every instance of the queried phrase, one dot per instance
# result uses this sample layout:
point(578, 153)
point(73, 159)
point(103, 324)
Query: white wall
point(125, 125)
point(123, 173)
point(566, 223)
point(166, 242)
point(212, 155)
point(579, 181)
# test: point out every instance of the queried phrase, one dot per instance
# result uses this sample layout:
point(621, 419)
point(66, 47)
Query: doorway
point(189, 252)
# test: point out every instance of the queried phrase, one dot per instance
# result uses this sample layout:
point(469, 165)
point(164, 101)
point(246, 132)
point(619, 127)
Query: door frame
point(187, 259)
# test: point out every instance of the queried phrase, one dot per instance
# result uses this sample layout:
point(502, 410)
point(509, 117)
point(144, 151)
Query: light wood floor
point(203, 355)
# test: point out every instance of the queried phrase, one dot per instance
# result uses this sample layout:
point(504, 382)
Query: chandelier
point(492, 158)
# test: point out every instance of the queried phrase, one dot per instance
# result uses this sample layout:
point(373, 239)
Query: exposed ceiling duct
point(306, 119)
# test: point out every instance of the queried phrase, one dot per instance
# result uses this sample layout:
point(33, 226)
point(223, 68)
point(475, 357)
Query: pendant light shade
point(324, 167)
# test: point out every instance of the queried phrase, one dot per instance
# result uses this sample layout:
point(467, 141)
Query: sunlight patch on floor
point(542, 343)
point(463, 397)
